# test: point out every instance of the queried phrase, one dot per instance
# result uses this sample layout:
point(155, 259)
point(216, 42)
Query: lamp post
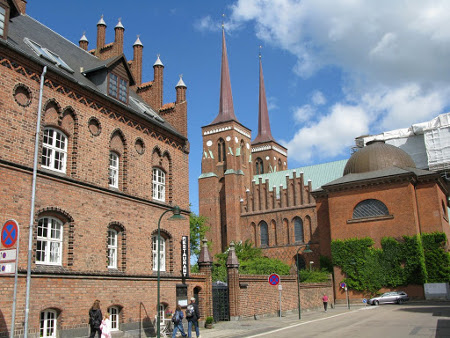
point(176, 216)
point(307, 250)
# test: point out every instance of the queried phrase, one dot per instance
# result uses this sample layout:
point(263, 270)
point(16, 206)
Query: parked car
point(389, 297)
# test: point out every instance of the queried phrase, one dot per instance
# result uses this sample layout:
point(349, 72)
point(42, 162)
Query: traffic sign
point(364, 300)
point(8, 255)
point(343, 285)
point(9, 234)
point(274, 279)
point(7, 268)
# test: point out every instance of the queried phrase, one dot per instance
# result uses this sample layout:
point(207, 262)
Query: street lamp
point(307, 250)
point(176, 216)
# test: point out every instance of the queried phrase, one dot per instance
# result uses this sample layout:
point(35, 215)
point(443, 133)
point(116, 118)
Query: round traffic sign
point(364, 300)
point(10, 232)
point(274, 279)
point(343, 285)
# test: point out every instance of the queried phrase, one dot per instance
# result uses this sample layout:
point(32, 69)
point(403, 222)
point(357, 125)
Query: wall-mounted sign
point(184, 256)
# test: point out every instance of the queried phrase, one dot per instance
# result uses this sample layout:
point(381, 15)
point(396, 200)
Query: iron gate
point(221, 309)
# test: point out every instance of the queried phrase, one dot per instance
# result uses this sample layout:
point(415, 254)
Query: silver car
point(389, 297)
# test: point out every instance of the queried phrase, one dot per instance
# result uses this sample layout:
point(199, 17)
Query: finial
point(223, 21)
point(260, 47)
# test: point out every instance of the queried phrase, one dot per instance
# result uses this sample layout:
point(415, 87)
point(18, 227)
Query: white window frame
point(162, 253)
point(114, 318)
point(48, 321)
point(54, 150)
point(112, 249)
point(159, 185)
point(113, 170)
point(162, 313)
point(3, 16)
point(49, 244)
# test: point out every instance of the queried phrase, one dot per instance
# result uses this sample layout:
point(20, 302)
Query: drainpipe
point(33, 197)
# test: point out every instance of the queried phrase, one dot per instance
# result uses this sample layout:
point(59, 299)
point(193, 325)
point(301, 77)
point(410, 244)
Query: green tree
point(198, 230)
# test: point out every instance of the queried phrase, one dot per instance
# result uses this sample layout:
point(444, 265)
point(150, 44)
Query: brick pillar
point(233, 283)
point(205, 263)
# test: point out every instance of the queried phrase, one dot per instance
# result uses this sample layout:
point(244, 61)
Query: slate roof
point(24, 26)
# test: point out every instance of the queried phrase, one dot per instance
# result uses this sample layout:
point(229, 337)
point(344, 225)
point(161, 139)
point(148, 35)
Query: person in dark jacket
point(95, 319)
point(177, 320)
point(192, 316)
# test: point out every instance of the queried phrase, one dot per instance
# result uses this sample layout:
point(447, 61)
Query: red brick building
point(247, 193)
point(112, 158)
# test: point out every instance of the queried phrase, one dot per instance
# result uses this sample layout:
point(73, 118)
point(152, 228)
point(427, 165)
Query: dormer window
point(4, 17)
point(118, 87)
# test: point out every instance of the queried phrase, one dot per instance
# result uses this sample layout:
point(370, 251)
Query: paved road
point(413, 319)
point(410, 320)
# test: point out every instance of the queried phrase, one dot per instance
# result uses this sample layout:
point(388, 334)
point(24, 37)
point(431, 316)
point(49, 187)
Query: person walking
point(105, 326)
point(192, 316)
point(95, 319)
point(177, 320)
point(325, 302)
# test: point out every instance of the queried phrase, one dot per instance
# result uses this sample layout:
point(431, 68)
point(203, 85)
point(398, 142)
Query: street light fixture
point(307, 250)
point(176, 216)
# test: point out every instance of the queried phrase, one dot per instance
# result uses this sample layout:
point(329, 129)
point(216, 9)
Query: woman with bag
point(177, 320)
point(95, 319)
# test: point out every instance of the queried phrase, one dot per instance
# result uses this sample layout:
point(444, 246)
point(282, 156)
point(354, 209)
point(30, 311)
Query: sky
point(333, 69)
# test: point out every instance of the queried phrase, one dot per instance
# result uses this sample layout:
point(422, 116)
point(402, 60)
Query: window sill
point(370, 219)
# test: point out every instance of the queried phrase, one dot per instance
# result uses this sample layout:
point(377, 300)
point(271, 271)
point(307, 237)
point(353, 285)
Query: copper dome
point(377, 155)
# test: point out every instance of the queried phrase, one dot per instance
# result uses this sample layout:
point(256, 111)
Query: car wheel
point(377, 302)
point(399, 301)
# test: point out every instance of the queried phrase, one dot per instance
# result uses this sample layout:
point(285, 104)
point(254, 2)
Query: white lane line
point(304, 323)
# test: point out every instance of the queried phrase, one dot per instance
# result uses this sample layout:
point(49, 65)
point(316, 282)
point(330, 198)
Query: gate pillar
point(205, 263)
point(233, 283)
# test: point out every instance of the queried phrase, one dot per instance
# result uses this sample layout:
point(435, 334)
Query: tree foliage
point(251, 261)
point(437, 260)
point(198, 230)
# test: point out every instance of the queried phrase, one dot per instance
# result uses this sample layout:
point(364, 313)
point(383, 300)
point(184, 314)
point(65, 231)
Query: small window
point(264, 234)
point(49, 241)
point(114, 317)
point(113, 170)
point(221, 151)
point(159, 184)
point(3, 21)
point(162, 312)
point(259, 166)
point(162, 254)
point(370, 208)
point(112, 248)
point(118, 87)
point(48, 55)
point(54, 152)
point(48, 323)
point(298, 229)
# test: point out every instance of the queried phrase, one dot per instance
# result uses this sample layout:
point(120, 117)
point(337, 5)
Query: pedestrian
point(95, 319)
point(177, 320)
point(105, 326)
point(325, 302)
point(192, 316)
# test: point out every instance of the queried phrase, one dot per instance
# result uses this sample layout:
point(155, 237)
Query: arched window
point(298, 229)
point(243, 152)
point(162, 253)
point(113, 170)
point(49, 241)
point(370, 208)
point(54, 150)
point(112, 248)
point(162, 312)
point(264, 233)
point(259, 166)
point(279, 165)
point(221, 150)
point(48, 323)
point(159, 184)
point(114, 317)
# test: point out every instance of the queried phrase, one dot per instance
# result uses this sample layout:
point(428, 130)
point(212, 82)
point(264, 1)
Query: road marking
point(304, 323)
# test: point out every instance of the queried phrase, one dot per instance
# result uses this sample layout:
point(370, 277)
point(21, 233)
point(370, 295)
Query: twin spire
point(226, 109)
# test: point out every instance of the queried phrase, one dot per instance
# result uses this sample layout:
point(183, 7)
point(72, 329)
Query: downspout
point(33, 197)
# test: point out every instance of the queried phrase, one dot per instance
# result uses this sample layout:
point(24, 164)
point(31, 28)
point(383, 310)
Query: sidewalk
point(250, 327)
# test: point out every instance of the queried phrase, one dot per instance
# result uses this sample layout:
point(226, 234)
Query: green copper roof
point(319, 174)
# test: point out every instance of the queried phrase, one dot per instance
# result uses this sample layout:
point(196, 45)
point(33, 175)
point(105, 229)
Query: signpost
point(274, 280)
point(9, 259)
point(184, 257)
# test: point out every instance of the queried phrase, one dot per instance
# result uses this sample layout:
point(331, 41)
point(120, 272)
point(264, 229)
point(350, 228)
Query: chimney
point(181, 90)
point(118, 40)
point(22, 4)
point(137, 61)
point(83, 42)
point(158, 69)
point(101, 35)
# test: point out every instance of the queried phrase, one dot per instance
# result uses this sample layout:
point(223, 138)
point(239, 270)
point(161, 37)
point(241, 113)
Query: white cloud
point(393, 56)
point(318, 98)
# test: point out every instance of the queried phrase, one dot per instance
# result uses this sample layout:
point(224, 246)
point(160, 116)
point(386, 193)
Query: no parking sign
point(10, 233)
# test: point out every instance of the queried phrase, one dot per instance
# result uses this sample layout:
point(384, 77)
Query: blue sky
point(333, 69)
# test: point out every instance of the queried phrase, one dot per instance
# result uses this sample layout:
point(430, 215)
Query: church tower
point(268, 155)
point(226, 167)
